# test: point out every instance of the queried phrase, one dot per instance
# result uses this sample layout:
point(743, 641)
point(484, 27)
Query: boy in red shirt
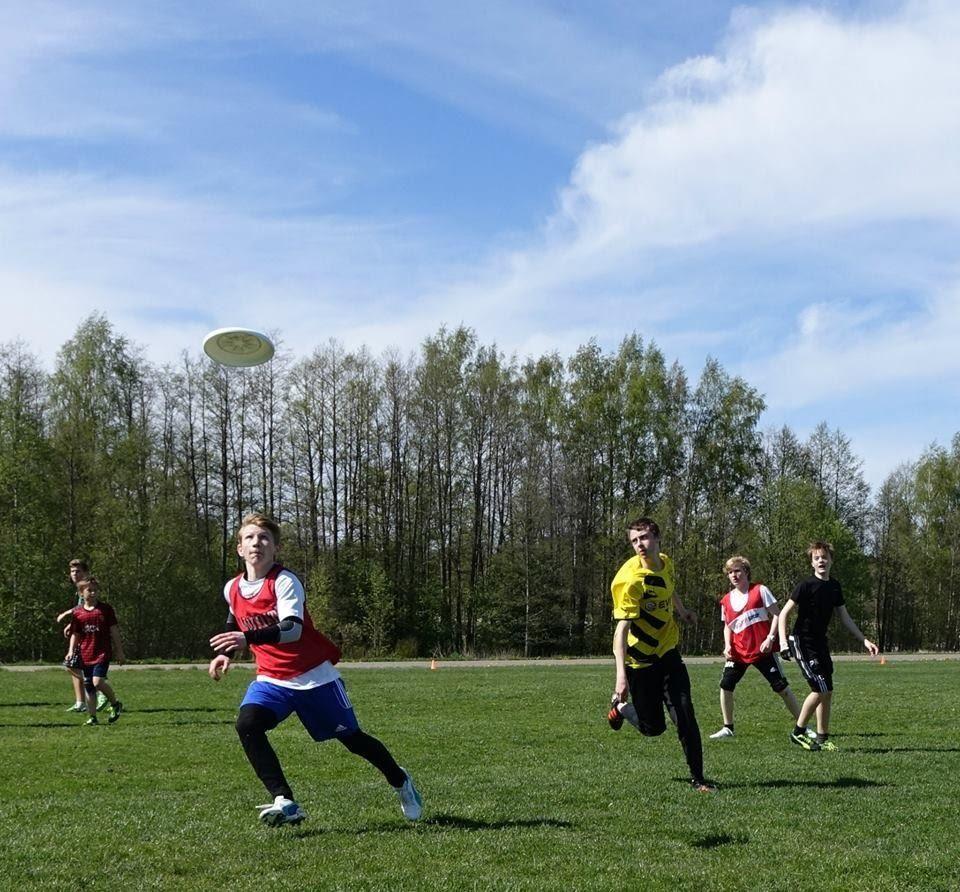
point(94, 634)
point(749, 613)
point(295, 673)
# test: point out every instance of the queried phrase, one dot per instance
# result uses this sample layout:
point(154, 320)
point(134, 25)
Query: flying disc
point(238, 347)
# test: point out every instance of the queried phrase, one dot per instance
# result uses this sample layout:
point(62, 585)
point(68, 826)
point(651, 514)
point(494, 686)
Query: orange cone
point(433, 664)
point(883, 660)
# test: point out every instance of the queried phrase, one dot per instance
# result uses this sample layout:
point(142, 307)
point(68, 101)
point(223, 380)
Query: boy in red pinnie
point(749, 612)
point(296, 672)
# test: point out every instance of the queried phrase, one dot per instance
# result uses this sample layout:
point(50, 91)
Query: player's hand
point(785, 654)
point(218, 667)
point(728, 653)
point(872, 648)
point(621, 688)
point(224, 641)
point(766, 645)
point(687, 616)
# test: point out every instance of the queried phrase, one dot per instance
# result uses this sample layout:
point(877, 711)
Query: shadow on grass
point(840, 783)
point(46, 703)
point(882, 750)
point(441, 822)
point(460, 823)
point(126, 716)
point(716, 840)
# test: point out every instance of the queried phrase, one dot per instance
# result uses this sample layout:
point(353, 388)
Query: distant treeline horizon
point(453, 501)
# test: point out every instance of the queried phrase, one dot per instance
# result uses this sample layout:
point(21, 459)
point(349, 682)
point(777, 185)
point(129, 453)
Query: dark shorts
point(768, 665)
point(665, 683)
point(813, 658)
point(95, 670)
point(325, 711)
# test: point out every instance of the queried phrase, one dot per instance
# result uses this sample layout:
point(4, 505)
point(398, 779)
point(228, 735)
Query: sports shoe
point(77, 707)
point(102, 700)
point(804, 742)
point(811, 733)
point(411, 803)
point(115, 710)
point(722, 734)
point(92, 721)
point(281, 811)
point(828, 745)
point(703, 786)
point(614, 717)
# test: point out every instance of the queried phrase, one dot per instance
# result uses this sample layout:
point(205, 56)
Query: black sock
point(253, 723)
point(799, 731)
point(730, 726)
point(371, 749)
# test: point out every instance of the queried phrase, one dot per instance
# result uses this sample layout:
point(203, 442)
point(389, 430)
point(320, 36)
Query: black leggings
point(666, 683)
point(254, 721)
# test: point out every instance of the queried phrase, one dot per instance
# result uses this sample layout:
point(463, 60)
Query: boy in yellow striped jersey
point(649, 666)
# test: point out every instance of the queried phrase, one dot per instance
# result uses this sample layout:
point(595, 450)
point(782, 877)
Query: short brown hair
point(84, 584)
point(738, 560)
point(80, 565)
point(262, 521)
point(642, 524)
point(819, 545)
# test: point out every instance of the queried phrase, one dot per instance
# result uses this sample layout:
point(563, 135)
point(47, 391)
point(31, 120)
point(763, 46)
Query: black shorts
point(813, 658)
point(768, 665)
point(664, 683)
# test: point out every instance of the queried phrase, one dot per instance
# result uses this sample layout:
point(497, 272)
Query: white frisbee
point(238, 347)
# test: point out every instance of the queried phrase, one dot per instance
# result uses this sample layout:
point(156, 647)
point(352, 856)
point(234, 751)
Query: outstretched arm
point(117, 644)
point(686, 616)
point(854, 630)
point(782, 624)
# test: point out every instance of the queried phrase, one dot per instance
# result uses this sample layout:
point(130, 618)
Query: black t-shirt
point(815, 600)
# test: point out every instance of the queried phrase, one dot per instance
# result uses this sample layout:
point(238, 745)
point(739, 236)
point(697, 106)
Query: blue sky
point(776, 185)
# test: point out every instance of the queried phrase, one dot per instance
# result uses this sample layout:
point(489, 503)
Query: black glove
point(785, 654)
point(74, 661)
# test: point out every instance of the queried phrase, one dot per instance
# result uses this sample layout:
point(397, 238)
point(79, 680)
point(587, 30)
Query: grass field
point(525, 787)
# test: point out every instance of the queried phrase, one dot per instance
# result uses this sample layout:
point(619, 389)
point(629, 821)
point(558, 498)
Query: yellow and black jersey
point(645, 597)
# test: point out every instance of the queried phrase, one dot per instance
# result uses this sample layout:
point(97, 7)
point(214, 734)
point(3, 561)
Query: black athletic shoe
point(614, 716)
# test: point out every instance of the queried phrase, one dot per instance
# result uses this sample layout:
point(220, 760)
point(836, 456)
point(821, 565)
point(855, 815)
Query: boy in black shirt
point(815, 600)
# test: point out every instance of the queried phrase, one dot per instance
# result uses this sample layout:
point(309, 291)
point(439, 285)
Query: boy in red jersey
point(749, 613)
point(295, 673)
point(95, 635)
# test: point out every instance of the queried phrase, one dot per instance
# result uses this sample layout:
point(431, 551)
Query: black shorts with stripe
point(768, 665)
point(813, 658)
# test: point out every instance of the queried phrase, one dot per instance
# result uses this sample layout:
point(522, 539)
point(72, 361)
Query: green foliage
point(454, 500)
point(517, 795)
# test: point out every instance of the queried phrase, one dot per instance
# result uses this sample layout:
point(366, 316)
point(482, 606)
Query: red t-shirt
point(283, 661)
point(93, 630)
point(750, 624)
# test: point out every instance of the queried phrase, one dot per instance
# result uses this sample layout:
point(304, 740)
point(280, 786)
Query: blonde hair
point(262, 521)
point(738, 560)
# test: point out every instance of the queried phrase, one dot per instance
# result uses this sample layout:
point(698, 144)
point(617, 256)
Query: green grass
point(525, 787)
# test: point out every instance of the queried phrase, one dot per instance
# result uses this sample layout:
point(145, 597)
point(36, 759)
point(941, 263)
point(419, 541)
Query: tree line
point(453, 500)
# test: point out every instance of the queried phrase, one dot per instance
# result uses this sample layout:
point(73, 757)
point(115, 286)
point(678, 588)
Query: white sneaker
point(281, 811)
point(811, 733)
point(722, 734)
point(411, 803)
point(629, 712)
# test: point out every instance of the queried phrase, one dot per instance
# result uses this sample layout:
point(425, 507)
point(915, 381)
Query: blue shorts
point(96, 670)
point(325, 711)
